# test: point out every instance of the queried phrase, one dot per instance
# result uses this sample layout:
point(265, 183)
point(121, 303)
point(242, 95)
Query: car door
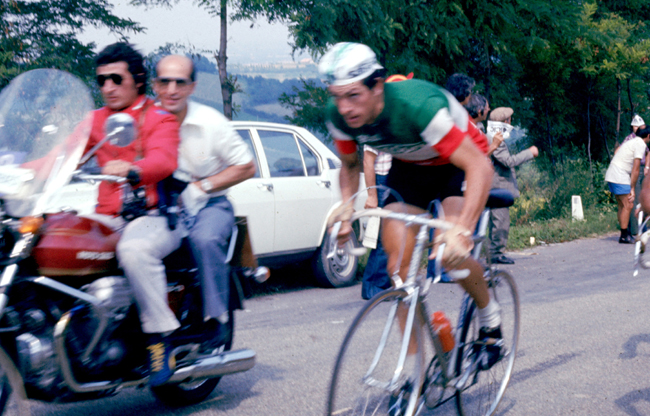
point(254, 199)
point(303, 195)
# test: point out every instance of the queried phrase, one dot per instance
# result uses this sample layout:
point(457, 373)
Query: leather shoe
point(502, 259)
point(628, 239)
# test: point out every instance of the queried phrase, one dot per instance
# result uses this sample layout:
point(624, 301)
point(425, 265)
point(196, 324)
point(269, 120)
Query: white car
point(286, 204)
point(288, 201)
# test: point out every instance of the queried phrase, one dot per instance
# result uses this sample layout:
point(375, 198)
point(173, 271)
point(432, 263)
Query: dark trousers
point(375, 276)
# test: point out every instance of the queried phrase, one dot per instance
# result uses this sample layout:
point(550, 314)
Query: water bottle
point(443, 328)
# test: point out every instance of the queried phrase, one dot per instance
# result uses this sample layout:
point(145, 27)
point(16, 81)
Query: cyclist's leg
point(489, 312)
point(397, 236)
point(474, 284)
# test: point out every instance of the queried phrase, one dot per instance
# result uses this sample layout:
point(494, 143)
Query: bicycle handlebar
point(382, 213)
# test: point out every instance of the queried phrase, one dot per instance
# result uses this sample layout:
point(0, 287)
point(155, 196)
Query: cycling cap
point(637, 121)
point(347, 62)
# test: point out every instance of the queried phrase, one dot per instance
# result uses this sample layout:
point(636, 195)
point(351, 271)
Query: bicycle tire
point(357, 391)
point(483, 391)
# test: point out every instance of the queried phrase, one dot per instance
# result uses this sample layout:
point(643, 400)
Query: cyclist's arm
point(349, 175)
point(478, 178)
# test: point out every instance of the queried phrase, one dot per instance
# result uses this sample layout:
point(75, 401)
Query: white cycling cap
point(348, 62)
point(637, 121)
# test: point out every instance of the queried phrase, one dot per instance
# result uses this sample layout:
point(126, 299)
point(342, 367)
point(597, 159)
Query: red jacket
point(157, 159)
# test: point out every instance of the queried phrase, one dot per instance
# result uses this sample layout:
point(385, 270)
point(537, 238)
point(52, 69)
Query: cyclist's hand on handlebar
point(459, 245)
point(343, 214)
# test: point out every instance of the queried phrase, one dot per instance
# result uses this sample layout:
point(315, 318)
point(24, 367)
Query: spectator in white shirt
point(622, 175)
point(216, 158)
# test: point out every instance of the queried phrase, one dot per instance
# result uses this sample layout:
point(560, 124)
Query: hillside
point(258, 101)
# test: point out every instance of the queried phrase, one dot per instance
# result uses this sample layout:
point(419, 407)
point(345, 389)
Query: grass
point(560, 230)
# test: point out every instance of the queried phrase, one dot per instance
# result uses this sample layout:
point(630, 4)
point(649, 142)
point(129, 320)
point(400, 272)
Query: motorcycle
point(69, 328)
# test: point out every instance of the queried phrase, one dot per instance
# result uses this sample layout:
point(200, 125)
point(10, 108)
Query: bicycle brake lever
point(332, 240)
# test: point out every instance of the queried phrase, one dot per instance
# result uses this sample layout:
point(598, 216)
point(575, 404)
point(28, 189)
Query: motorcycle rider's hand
point(117, 168)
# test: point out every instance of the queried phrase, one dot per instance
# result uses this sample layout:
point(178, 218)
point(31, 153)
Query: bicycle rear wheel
point(367, 378)
point(483, 390)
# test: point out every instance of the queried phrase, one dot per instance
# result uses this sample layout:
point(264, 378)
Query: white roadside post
point(576, 208)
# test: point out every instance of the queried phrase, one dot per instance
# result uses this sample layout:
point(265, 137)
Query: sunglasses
point(116, 78)
point(180, 82)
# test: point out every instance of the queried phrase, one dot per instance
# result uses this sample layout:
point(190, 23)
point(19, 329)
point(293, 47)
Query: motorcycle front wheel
point(192, 392)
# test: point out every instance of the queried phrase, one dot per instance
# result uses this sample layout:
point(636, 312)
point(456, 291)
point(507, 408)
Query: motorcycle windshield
point(45, 121)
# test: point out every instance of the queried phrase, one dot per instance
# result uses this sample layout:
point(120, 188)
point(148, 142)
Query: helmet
point(346, 63)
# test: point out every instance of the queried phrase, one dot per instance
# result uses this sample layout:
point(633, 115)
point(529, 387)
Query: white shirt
point(208, 145)
point(620, 168)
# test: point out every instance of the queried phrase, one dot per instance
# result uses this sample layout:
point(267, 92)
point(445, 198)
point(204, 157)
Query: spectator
point(460, 86)
point(637, 123)
point(375, 170)
point(622, 175)
point(478, 109)
point(504, 178)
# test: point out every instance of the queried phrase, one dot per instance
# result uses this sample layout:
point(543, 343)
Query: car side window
point(311, 162)
point(282, 153)
point(246, 135)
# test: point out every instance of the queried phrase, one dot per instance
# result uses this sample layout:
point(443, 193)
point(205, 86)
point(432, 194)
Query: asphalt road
point(584, 347)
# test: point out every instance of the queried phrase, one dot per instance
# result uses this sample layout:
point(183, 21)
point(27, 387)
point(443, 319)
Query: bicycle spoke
point(371, 375)
point(483, 391)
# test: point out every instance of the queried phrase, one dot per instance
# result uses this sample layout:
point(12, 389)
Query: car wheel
point(340, 270)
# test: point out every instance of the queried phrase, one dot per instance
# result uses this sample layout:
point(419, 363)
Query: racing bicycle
point(392, 360)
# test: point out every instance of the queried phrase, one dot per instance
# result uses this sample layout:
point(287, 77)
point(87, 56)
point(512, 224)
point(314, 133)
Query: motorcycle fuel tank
point(75, 246)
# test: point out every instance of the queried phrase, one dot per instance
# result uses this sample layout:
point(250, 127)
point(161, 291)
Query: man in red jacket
point(153, 155)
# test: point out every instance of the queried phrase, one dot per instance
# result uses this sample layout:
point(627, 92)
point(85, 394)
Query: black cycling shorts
point(419, 185)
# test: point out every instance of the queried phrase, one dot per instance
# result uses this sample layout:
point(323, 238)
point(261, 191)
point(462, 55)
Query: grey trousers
point(499, 229)
point(209, 238)
point(145, 241)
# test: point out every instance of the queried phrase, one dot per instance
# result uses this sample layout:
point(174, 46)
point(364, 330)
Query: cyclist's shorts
point(419, 185)
point(619, 188)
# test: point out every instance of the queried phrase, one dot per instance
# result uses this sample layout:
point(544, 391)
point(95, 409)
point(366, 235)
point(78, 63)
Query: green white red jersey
point(421, 123)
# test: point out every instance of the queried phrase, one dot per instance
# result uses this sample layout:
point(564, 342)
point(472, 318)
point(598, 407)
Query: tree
point(218, 8)
point(608, 48)
point(43, 33)
point(307, 105)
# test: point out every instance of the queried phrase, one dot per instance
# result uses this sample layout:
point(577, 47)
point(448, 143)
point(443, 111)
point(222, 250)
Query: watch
point(206, 185)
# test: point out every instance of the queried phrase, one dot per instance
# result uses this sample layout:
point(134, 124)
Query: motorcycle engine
point(93, 339)
point(91, 343)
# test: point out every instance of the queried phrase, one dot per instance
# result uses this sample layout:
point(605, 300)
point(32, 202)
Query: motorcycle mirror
point(120, 129)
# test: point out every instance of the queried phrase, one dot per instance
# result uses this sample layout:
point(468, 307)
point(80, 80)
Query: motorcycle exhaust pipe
point(228, 362)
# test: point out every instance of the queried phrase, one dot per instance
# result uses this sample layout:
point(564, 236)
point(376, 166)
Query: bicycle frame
point(415, 294)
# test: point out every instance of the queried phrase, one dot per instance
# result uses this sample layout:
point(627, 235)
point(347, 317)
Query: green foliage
point(36, 34)
point(307, 106)
point(546, 189)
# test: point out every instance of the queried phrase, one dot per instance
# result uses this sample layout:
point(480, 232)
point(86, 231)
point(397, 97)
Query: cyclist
point(435, 156)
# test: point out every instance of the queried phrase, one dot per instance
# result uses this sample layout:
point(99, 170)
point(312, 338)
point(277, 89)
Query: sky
point(190, 25)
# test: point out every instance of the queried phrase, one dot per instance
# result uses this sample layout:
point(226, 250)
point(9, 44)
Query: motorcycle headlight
point(30, 225)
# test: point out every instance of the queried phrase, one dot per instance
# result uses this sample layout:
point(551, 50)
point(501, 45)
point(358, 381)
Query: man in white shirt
point(622, 175)
point(216, 158)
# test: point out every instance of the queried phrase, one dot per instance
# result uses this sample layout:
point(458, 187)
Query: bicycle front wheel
point(368, 378)
point(483, 390)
